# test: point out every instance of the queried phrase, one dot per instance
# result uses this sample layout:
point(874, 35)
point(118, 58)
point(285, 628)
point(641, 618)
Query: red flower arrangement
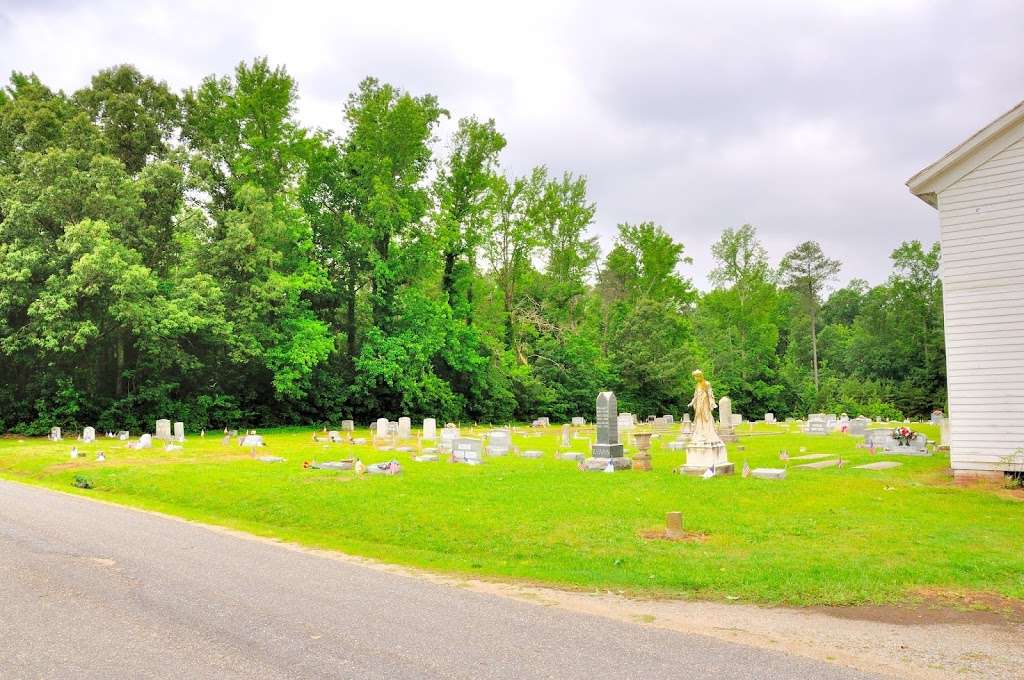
point(904, 435)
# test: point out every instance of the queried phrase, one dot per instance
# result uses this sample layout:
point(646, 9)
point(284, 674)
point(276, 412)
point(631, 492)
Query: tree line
point(201, 255)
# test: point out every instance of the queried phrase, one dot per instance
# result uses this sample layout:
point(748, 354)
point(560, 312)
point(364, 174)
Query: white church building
point(978, 189)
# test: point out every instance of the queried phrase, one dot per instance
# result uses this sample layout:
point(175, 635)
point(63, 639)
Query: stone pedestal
point(642, 461)
point(727, 433)
point(606, 450)
point(596, 464)
point(703, 455)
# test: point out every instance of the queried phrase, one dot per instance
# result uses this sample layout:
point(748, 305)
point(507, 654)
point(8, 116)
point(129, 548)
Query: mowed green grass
point(831, 536)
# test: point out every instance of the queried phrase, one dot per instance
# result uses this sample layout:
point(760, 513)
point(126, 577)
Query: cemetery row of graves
point(824, 510)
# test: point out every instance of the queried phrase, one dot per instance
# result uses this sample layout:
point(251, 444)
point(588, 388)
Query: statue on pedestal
point(705, 453)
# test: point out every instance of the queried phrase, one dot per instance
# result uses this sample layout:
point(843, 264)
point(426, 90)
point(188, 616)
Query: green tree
point(806, 271)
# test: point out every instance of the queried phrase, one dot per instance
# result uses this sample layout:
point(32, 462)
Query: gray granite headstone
point(608, 445)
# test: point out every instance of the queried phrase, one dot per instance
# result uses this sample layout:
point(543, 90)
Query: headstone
point(348, 426)
point(145, 442)
point(404, 427)
point(726, 425)
point(768, 473)
point(566, 436)
point(877, 439)
point(945, 436)
point(858, 426)
point(578, 421)
point(465, 450)
point(123, 435)
point(250, 441)
point(673, 524)
point(448, 436)
point(669, 419)
point(608, 449)
point(737, 419)
point(163, 430)
point(179, 432)
point(392, 429)
point(89, 434)
point(817, 423)
point(334, 436)
point(532, 454)
point(55, 434)
point(937, 416)
point(381, 428)
point(625, 421)
point(769, 418)
point(498, 442)
point(429, 429)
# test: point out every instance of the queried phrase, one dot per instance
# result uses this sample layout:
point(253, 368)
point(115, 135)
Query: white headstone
point(163, 430)
point(382, 427)
point(179, 432)
point(725, 413)
point(89, 434)
point(429, 428)
point(404, 427)
point(145, 441)
point(566, 436)
point(579, 421)
point(55, 434)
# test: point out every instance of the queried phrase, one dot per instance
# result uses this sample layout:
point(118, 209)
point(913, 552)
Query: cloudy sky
point(802, 118)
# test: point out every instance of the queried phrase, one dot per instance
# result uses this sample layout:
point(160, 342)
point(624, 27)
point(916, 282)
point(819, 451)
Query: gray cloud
point(803, 119)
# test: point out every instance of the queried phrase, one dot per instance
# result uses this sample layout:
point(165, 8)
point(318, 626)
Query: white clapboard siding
point(982, 225)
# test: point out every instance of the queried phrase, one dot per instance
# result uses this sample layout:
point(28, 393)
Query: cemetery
point(522, 502)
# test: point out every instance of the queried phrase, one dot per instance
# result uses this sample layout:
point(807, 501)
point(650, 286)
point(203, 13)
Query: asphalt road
point(88, 590)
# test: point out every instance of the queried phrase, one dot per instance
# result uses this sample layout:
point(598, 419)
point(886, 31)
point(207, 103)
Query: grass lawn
point(830, 536)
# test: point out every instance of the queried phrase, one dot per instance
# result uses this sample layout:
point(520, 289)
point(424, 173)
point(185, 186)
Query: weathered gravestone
point(145, 442)
point(877, 439)
point(625, 421)
point(448, 436)
point(465, 450)
point(608, 449)
point(769, 418)
point(179, 432)
point(334, 437)
point(404, 427)
point(817, 423)
point(498, 442)
point(348, 426)
point(55, 434)
point(381, 428)
point(163, 430)
point(858, 426)
point(726, 425)
point(251, 441)
point(566, 436)
point(578, 421)
point(89, 434)
point(123, 435)
point(429, 429)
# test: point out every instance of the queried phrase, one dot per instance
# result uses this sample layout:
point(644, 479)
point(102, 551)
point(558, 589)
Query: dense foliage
point(202, 256)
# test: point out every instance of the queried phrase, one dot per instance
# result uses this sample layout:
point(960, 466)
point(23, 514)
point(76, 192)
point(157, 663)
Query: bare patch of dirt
point(937, 607)
point(663, 535)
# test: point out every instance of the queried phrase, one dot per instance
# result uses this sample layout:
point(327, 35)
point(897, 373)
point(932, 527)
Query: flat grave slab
point(531, 454)
point(571, 456)
point(880, 465)
point(821, 464)
point(426, 458)
point(768, 473)
point(336, 465)
point(270, 459)
point(813, 456)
